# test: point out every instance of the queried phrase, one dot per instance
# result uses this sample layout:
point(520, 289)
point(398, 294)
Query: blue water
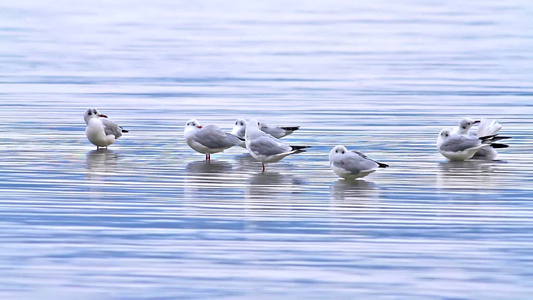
point(149, 219)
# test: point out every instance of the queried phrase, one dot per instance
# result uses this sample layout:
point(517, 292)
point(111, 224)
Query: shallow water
point(149, 219)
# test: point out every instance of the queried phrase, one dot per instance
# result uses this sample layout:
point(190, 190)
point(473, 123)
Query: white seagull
point(266, 148)
point(485, 128)
point(464, 127)
point(462, 147)
point(239, 129)
point(352, 164)
point(208, 139)
point(101, 131)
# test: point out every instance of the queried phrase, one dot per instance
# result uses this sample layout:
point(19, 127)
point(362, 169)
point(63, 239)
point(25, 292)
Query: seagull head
point(240, 125)
point(92, 113)
point(337, 150)
point(466, 124)
point(192, 125)
point(443, 135)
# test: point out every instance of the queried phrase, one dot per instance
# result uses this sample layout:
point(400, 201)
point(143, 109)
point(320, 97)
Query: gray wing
point(456, 143)
point(273, 131)
point(268, 145)
point(212, 137)
point(381, 165)
point(360, 154)
point(111, 127)
point(355, 163)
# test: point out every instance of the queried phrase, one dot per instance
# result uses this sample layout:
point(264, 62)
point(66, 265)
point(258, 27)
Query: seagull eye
point(342, 152)
point(90, 113)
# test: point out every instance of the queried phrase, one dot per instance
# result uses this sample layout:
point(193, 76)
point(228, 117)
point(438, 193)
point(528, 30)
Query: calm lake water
point(149, 219)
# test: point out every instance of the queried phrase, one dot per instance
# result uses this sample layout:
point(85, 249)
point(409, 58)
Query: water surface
point(149, 219)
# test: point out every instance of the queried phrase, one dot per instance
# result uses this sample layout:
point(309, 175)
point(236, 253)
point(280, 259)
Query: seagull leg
point(263, 167)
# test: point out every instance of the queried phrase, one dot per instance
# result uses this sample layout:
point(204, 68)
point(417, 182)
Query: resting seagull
point(239, 129)
point(209, 139)
point(266, 148)
point(101, 131)
point(462, 147)
point(352, 164)
point(486, 128)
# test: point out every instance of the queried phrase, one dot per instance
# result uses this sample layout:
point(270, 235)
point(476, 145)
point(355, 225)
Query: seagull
point(462, 147)
point(266, 148)
point(208, 139)
point(101, 131)
point(464, 126)
point(485, 128)
point(278, 132)
point(352, 164)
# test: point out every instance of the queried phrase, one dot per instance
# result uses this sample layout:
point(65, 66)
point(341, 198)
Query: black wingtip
point(294, 128)
point(494, 145)
point(493, 138)
point(240, 138)
point(300, 148)
point(382, 165)
point(487, 137)
point(125, 131)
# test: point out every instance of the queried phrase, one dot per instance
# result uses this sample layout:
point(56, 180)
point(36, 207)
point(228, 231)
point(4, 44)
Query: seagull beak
point(200, 127)
point(102, 116)
point(477, 121)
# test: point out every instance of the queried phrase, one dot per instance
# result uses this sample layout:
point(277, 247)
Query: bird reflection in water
point(212, 167)
point(208, 181)
point(99, 162)
point(349, 193)
point(273, 195)
point(470, 175)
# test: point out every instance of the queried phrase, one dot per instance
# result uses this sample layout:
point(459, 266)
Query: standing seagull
point(352, 164)
point(462, 147)
point(209, 139)
point(278, 132)
point(266, 148)
point(101, 131)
